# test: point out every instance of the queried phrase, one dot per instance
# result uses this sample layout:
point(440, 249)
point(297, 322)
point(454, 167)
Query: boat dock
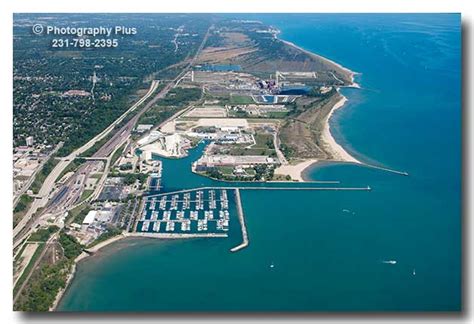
point(176, 235)
point(199, 211)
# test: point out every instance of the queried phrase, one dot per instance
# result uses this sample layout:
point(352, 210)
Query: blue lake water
point(328, 247)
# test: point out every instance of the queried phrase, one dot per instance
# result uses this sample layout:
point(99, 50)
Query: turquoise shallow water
point(327, 247)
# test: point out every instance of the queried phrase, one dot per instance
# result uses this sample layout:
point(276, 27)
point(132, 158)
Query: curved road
point(71, 191)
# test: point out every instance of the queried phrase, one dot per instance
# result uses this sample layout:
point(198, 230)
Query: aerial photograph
point(237, 163)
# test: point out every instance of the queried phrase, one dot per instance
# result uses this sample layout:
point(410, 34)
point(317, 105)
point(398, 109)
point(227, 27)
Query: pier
point(176, 235)
point(201, 211)
point(308, 188)
point(170, 215)
point(260, 188)
point(403, 173)
point(134, 219)
point(240, 212)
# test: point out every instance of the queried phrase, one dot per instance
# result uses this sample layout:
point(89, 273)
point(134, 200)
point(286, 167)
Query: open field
point(210, 112)
point(264, 53)
point(24, 259)
point(219, 54)
point(223, 122)
point(226, 46)
point(241, 100)
point(301, 136)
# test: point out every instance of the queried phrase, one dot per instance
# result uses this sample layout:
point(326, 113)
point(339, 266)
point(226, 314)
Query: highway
point(16, 197)
point(48, 185)
point(70, 192)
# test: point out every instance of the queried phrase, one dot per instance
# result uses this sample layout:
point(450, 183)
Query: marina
point(154, 182)
point(201, 211)
point(192, 212)
point(306, 254)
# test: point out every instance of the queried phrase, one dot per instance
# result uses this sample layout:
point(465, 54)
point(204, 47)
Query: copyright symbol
point(37, 29)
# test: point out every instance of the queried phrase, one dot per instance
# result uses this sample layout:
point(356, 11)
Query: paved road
point(67, 195)
point(276, 144)
point(27, 222)
point(25, 187)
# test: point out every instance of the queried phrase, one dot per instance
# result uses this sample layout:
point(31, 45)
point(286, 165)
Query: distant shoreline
point(350, 72)
point(336, 149)
point(295, 171)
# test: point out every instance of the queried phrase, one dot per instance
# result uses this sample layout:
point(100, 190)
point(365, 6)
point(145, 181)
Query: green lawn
point(226, 170)
point(86, 194)
point(21, 208)
point(277, 114)
point(77, 214)
point(241, 100)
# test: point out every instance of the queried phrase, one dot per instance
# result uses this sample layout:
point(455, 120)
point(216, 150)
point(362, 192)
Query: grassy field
point(277, 114)
point(29, 267)
point(175, 100)
point(226, 170)
point(86, 194)
point(263, 146)
point(71, 167)
point(241, 100)
point(49, 277)
point(301, 136)
point(21, 208)
point(117, 154)
point(77, 214)
point(229, 171)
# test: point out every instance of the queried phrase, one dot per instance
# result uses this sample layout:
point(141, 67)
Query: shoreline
point(295, 171)
point(350, 72)
point(336, 149)
point(294, 180)
point(79, 258)
point(338, 152)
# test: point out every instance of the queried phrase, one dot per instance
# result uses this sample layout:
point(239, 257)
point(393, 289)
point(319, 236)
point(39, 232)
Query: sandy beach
point(336, 150)
point(295, 171)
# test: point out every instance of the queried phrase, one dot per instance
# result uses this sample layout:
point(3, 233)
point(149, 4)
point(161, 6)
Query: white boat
point(389, 261)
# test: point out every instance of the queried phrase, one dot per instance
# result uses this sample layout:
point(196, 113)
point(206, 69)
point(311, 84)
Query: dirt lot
point(25, 259)
point(211, 112)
